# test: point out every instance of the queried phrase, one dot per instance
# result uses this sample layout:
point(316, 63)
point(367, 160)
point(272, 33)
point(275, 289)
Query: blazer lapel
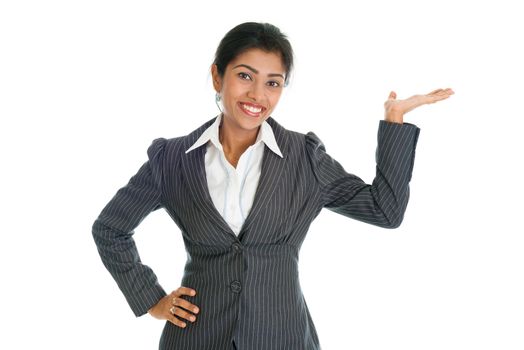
point(194, 171)
point(271, 173)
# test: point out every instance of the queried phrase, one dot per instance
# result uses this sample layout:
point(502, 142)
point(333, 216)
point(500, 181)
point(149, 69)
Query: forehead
point(263, 61)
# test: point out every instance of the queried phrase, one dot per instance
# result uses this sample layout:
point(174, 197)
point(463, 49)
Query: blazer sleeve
point(382, 203)
point(113, 230)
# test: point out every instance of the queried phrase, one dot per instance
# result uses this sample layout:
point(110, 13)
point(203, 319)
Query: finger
point(185, 304)
point(441, 95)
point(178, 311)
point(448, 92)
point(174, 320)
point(186, 291)
point(444, 91)
point(435, 98)
point(435, 91)
point(392, 95)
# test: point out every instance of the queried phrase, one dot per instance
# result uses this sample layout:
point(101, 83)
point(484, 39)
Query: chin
point(251, 125)
point(247, 122)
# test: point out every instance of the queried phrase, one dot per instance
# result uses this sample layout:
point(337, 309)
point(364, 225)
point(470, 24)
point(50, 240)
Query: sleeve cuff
point(141, 303)
point(396, 147)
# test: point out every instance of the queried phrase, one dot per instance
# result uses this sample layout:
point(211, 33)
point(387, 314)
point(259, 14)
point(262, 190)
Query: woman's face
point(250, 88)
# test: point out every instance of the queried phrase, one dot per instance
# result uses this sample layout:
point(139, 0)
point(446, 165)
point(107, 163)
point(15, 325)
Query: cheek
point(232, 92)
point(274, 98)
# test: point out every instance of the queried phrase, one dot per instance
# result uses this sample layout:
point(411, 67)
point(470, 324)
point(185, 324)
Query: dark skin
point(183, 309)
point(256, 78)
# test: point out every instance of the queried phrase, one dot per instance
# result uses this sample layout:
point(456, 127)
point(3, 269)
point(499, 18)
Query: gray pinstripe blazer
point(248, 289)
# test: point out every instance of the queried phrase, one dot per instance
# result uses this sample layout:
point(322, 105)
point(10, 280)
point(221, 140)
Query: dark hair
point(251, 35)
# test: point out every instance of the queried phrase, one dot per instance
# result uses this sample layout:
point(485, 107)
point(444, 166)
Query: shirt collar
point(265, 135)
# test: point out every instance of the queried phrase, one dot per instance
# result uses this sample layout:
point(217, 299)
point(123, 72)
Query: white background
point(85, 86)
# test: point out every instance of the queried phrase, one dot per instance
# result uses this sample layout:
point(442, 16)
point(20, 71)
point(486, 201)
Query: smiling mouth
point(251, 110)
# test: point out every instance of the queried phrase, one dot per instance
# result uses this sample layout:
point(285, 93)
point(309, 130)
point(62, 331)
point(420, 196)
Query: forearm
point(114, 228)
point(383, 203)
point(119, 254)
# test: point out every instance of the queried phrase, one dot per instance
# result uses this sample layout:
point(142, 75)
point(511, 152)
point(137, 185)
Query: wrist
point(394, 118)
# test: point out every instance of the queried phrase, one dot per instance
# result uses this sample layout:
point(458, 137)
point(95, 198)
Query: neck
point(235, 140)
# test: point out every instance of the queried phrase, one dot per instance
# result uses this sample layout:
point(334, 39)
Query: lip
point(263, 109)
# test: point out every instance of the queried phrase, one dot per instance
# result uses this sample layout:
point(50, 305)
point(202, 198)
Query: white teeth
point(251, 109)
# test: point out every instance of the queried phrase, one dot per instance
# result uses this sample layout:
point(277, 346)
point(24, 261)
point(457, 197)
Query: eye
point(244, 76)
point(274, 83)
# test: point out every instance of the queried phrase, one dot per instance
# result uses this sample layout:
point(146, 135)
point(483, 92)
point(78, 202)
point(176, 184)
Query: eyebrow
point(256, 71)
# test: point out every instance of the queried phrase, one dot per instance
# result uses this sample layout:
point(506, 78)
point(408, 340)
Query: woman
point(243, 190)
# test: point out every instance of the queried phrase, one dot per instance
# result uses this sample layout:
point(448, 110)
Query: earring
point(217, 100)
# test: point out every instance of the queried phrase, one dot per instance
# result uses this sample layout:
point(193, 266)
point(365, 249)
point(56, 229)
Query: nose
point(256, 92)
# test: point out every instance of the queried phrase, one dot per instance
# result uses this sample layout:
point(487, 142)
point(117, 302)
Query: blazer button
point(235, 286)
point(237, 247)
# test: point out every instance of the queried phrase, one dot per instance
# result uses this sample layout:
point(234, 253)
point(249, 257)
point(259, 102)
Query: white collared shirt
point(233, 189)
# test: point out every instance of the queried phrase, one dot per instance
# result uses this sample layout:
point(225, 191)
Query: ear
point(217, 80)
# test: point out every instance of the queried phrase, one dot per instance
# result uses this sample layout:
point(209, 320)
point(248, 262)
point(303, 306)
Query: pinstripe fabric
point(248, 288)
point(232, 189)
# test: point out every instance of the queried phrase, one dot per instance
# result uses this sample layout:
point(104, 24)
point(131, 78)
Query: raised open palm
point(395, 109)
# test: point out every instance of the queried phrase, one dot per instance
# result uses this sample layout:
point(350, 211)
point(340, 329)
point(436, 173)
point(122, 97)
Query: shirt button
point(235, 286)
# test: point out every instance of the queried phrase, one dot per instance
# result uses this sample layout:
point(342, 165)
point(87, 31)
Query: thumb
point(392, 95)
